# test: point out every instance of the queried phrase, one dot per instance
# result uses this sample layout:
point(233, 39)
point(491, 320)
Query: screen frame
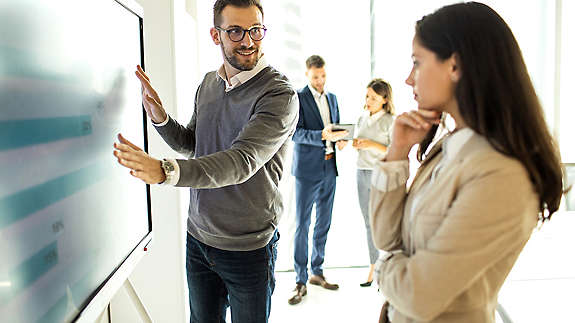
point(102, 296)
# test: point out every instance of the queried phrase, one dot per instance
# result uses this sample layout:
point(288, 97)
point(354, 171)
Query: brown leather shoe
point(320, 281)
point(300, 291)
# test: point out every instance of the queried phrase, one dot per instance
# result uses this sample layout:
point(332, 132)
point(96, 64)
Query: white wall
point(533, 28)
point(567, 79)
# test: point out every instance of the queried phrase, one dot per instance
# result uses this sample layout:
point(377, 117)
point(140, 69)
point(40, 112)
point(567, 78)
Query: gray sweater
point(236, 143)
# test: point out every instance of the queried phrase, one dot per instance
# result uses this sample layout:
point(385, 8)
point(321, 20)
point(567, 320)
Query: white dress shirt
point(243, 76)
point(323, 107)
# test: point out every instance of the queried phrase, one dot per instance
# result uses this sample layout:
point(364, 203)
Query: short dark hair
point(314, 61)
point(495, 91)
point(221, 4)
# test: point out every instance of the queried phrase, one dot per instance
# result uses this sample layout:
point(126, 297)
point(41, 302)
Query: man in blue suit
point(314, 167)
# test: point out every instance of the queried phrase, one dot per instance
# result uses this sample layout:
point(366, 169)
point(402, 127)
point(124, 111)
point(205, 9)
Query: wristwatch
point(169, 170)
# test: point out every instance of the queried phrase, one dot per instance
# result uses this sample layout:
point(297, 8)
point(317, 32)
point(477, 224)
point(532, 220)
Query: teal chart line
point(22, 133)
point(21, 204)
point(31, 270)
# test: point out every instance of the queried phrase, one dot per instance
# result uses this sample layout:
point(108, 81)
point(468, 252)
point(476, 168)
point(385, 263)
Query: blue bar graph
point(31, 270)
point(36, 266)
point(21, 204)
point(22, 133)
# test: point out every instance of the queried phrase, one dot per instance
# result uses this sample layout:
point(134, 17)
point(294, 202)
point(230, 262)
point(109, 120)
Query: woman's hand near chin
point(409, 129)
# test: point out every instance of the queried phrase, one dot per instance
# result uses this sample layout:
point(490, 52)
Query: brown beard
point(235, 63)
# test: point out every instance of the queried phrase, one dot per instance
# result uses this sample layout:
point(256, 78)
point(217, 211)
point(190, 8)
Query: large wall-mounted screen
point(69, 215)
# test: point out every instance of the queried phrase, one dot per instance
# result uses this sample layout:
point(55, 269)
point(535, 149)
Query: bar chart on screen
point(69, 216)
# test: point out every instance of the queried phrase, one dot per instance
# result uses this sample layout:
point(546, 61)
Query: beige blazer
point(463, 239)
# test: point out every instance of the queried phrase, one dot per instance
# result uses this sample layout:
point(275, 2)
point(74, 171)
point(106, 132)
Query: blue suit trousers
point(321, 192)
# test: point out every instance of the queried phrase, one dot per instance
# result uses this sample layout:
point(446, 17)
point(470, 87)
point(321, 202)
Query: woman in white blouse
point(455, 233)
point(373, 137)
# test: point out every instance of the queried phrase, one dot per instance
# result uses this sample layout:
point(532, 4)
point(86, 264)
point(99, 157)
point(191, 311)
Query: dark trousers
point(321, 192)
point(243, 280)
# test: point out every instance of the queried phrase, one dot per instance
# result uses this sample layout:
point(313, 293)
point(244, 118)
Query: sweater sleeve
point(270, 126)
point(179, 138)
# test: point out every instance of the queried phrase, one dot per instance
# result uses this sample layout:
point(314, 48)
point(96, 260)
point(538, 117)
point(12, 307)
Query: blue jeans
point(321, 192)
point(243, 280)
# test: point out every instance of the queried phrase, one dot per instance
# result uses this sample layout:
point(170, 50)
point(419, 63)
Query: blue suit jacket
point(309, 149)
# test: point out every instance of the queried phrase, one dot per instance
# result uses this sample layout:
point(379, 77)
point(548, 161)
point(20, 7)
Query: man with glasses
point(236, 142)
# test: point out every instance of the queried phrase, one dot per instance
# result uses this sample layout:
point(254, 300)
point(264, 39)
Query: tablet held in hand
point(343, 127)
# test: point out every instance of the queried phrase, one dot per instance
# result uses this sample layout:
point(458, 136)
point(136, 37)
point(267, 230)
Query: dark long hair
point(495, 95)
point(383, 88)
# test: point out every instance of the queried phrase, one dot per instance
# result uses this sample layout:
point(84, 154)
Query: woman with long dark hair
point(454, 234)
point(373, 136)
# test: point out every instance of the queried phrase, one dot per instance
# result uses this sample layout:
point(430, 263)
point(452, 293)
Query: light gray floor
point(351, 303)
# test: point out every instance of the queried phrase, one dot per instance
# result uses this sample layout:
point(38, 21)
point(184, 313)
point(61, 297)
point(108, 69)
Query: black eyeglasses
point(236, 34)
